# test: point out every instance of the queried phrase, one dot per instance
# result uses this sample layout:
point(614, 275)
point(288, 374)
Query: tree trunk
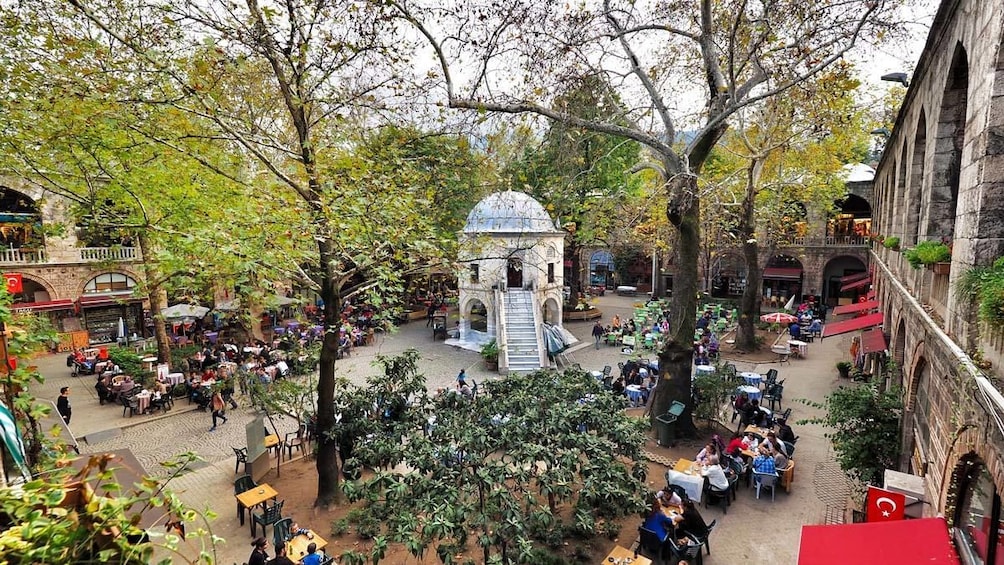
point(328, 473)
point(574, 252)
point(749, 306)
point(676, 357)
point(157, 297)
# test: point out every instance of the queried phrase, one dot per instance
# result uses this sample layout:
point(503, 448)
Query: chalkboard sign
point(255, 431)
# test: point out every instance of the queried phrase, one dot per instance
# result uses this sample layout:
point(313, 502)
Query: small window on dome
point(475, 276)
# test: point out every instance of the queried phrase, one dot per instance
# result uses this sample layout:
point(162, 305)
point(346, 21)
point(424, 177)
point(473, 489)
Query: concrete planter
point(580, 315)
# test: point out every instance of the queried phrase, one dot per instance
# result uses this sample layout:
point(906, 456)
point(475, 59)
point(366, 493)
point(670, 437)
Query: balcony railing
point(22, 256)
point(108, 254)
point(827, 241)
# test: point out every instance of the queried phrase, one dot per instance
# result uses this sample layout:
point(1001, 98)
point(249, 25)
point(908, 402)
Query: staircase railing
point(501, 338)
point(539, 332)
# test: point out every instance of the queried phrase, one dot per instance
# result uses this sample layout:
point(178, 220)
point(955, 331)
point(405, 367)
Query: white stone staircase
point(523, 337)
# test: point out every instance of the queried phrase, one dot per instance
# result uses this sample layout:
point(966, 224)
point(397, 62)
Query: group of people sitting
point(675, 521)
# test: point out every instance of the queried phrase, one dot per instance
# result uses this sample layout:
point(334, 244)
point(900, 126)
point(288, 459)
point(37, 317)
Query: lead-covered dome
point(509, 212)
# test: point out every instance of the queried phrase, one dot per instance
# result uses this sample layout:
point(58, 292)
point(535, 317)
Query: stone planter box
point(941, 268)
point(581, 315)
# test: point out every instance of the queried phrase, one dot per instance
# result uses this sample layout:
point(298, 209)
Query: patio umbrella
point(790, 304)
point(184, 311)
point(778, 318)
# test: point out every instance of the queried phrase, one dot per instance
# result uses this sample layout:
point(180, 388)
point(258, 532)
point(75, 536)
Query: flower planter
point(579, 315)
point(941, 268)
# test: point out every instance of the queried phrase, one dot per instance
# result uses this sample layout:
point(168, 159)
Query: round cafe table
point(752, 392)
point(704, 370)
point(752, 379)
point(634, 394)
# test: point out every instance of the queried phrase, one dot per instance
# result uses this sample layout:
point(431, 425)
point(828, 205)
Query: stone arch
point(991, 219)
point(915, 193)
point(551, 311)
point(837, 267)
point(899, 351)
point(852, 212)
point(948, 145)
point(33, 283)
point(475, 313)
point(918, 366)
point(964, 477)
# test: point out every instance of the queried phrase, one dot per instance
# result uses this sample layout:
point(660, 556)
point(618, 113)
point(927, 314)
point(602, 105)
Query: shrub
point(891, 243)
point(928, 253)
point(984, 287)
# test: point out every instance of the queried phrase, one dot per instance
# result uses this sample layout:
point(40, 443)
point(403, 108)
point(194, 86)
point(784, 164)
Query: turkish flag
point(14, 283)
point(884, 505)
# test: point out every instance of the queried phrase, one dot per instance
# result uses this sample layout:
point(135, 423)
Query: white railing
point(22, 256)
point(108, 254)
point(826, 241)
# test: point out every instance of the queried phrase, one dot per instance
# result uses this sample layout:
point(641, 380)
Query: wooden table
point(620, 555)
point(296, 548)
point(762, 432)
point(257, 495)
point(272, 442)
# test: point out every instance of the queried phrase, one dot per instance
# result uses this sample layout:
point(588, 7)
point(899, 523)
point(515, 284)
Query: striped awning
point(854, 324)
point(856, 307)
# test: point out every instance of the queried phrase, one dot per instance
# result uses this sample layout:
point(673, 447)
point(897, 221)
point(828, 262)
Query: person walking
point(218, 406)
point(63, 404)
point(597, 333)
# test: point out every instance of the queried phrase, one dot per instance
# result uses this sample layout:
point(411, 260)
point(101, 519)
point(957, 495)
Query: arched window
point(109, 282)
point(978, 511)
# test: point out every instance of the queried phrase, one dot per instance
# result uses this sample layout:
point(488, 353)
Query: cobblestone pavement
point(756, 531)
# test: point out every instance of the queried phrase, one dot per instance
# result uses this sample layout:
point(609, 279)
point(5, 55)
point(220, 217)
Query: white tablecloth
point(803, 348)
point(752, 379)
point(633, 394)
point(692, 484)
point(751, 391)
point(174, 378)
point(704, 370)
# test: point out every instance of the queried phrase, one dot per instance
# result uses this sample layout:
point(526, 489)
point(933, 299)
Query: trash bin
point(664, 425)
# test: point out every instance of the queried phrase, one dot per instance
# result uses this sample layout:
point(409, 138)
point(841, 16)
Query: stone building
point(80, 283)
point(512, 252)
point(941, 178)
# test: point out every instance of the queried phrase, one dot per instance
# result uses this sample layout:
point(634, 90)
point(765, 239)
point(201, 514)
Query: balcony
point(22, 256)
point(99, 254)
point(826, 241)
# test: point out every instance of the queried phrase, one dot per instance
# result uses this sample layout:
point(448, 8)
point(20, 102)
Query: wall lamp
point(897, 77)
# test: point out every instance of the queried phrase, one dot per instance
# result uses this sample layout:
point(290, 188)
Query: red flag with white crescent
point(885, 505)
point(14, 283)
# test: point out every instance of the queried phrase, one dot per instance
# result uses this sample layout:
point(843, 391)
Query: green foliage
point(490, 351)
point(339, 527)
point(984, 288)
point(927, 253)
point(180, 356)
point(538, 458)
point(865, 424)
point(713, 393)
point(891, 242)
point(130, 363)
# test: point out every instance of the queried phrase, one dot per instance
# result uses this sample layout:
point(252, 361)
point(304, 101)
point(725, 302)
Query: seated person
point(659, 523)
point(736, 443)
point(717, 477)
point(750, 442)
point(312, 557)
point(465, 389)
point(784, 432)
point(764, 462)
point(618, 387)
point(815, 328)
point(780, 460)
point(795, 331)
point(708, 455)
point(344, 345)
point(296, 530)
point(669, 499)
point(692, 522)
point(104, 391)
point(774, 445)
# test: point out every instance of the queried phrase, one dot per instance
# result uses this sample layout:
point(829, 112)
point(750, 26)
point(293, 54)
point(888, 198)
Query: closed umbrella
point(790, 304)
point(778, 318)
point(122, 328)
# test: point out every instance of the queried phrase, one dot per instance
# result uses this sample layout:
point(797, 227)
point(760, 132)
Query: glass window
point(550, 272)
point(474, 273)
point(109, 282)
point(981, 511)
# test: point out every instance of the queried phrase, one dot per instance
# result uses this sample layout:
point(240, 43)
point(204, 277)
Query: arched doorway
point(782, 279)
point(476, 314)
point(977, 505)
point(31, 291)
point(514, 273)
point(551, 312)
point(20, 224)
point(601, 269)
point(836, 268)
point(916, 421)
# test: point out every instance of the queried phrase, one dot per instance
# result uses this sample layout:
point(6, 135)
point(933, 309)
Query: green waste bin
point(664, 423)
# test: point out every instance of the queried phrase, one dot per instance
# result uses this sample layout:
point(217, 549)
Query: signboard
point(258, 460)
point(15, 285)
point(884, 505)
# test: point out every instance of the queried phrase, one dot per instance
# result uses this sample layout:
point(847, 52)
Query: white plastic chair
point(765, 480)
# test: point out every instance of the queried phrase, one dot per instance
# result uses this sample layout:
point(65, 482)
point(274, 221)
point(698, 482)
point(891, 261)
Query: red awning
point(903, 542)
point(95, 300)
point(62, 304)
point(873, 341)
point(856, 284)
point(861, 323)
point(856, 307)
point(854, 277)
point(782, 273)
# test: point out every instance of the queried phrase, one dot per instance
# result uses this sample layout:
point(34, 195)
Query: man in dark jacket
point(63, 404)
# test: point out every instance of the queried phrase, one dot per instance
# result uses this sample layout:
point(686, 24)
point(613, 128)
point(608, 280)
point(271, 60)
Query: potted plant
point(983, 287)
point(891, 243)
point(490, 353)
point(844, 368)
point(928, 253)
